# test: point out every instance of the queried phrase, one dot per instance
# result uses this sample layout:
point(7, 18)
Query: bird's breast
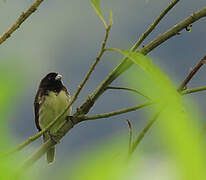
point(52, 106)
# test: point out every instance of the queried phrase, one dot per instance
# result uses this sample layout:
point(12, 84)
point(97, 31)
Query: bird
point(50, 101)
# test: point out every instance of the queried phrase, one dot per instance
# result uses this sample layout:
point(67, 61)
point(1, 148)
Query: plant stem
point(114, 113)
point(32, 138)
point(193, 90)
point(128, 89)
point(125, 63)
point(154, 24)
point(20, 20)
point(191, 74)
point(144, 131)
point(122, 67)
point(173, 31)
point(180, 90)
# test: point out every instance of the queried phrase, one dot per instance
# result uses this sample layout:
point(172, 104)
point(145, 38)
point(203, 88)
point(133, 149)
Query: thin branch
point(102, 50)
point(155, 23)
point(114, 113)
point(36, 136)
point(68, 125)
point(193, 90)
point(180, 89)
point(173, 31)
point(79, 119)
point(144, 131)
point(150, 123)
point(128, 89)
point(48, 144)
point(25, 143)
point(122, 67)
point(130, 135)
point(191, 74)
point(126, 64)
point(20, 20)
point(32, 138)
point(43, 149)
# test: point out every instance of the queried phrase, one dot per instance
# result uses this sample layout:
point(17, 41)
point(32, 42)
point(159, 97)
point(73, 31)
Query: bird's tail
point(51, 152)
point(50, 155)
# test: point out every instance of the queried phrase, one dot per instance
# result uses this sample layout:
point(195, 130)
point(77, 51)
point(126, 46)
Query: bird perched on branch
point(50, 101)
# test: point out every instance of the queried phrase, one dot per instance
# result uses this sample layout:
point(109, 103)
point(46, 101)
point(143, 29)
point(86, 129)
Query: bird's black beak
point(58, 77)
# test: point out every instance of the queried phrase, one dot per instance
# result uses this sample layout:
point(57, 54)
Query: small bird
point(50, 101)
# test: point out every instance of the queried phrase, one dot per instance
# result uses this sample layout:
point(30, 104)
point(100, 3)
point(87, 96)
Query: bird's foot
point(54, 137)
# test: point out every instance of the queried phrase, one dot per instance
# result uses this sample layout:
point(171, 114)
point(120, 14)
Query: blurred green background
point(65, 36)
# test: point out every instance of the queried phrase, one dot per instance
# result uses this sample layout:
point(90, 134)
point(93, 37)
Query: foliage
point(177, 126)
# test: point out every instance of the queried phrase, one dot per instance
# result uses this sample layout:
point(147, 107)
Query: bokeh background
point(65, 36)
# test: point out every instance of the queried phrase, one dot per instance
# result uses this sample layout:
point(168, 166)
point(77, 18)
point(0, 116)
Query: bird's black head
point(51, 82)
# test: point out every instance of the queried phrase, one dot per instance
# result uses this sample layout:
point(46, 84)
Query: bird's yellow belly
point(52, 106)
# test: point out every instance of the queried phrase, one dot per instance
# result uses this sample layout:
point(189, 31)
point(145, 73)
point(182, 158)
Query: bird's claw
point(54, 137)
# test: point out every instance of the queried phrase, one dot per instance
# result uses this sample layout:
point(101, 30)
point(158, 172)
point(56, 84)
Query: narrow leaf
point(180, 131)
point(96, 6)
point(111, 18)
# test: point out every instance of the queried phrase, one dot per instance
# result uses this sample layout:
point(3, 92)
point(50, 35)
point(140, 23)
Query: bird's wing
point(36, 110)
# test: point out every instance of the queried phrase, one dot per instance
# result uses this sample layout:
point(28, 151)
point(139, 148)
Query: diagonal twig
point(122, 67)
point(20, 20)
point(126, 64)
point(193, 90)
point(155, 23)
point(43, 149)
point(181, 91)
point(114, 113)
point(144, 131)
point(191, 74)
point(32, 138)
point(173, 31)
point(105, 115)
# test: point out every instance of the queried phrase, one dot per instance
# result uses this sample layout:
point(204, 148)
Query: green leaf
point(111, 18)
point(153, 71)
point(177, 128)
point(96, 6)
point(12, 78)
